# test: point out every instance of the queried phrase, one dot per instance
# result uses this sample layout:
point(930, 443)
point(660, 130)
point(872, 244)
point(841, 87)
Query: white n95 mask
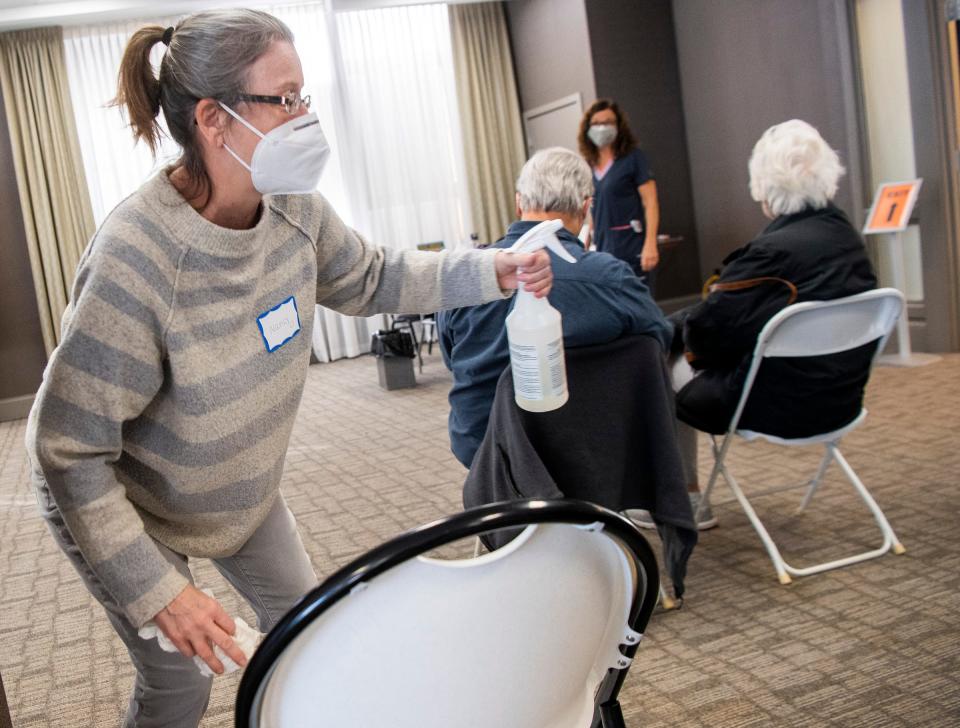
point(288, 159)
point(602, 134)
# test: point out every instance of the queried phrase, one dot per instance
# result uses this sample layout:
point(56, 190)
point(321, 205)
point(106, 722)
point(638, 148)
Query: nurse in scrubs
point(625, 212)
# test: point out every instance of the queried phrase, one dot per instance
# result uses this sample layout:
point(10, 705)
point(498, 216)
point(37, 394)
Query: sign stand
point(890, 213)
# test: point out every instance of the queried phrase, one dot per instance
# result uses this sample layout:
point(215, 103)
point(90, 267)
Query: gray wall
point(22, 356)
point(625, 50)
point(746, 65)
point(551, 50)
point(937, 160)
point(635, 62)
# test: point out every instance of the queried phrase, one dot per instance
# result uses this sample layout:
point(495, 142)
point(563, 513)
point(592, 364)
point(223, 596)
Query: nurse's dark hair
point(208, 55)
point(623, 144)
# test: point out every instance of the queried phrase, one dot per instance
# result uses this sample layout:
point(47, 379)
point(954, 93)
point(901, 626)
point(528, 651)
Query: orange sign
point(892, 206)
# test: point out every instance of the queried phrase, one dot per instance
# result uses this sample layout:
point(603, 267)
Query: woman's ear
point(516, 199)
point(210, 121)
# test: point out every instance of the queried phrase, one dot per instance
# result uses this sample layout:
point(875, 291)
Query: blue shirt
point(600, 300)
point(616, 202)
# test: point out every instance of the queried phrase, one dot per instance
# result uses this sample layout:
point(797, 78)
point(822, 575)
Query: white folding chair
point(537, 634)
point(815, 328)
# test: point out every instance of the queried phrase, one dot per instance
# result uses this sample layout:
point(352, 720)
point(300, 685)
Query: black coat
point(821, 253)
point(613, 443)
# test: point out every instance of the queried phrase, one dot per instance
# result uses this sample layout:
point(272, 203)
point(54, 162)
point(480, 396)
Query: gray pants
point(687, 442)
point(681, 373)
point(271, 571)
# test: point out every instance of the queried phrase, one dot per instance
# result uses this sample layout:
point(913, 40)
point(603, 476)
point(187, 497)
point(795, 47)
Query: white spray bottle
point(535, 333)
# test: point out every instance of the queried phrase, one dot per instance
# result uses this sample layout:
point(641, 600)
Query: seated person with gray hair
point(809, 252)
point(599, 297)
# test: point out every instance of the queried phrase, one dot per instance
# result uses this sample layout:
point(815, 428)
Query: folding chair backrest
point(519, 638)
point(818, 328)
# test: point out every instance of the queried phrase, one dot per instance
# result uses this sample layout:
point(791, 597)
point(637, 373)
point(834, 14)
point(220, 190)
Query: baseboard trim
point(15, 408)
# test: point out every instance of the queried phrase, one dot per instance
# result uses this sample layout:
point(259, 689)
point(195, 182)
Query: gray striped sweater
point(162, 414)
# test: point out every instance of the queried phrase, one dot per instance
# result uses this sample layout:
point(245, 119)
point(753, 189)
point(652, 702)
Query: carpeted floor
point(876, 644)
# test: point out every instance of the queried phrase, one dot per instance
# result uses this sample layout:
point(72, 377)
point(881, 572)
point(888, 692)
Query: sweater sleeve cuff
point(489, 285)
point(145, 608)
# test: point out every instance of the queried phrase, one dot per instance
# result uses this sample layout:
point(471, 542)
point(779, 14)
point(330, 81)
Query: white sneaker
point(643, 519)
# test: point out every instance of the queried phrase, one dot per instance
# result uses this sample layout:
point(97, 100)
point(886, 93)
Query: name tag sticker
point(280, 324)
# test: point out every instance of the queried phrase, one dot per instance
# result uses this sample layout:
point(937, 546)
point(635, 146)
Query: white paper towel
point(246, 638)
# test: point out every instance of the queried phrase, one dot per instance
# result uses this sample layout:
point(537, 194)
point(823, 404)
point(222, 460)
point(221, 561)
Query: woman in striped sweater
point(160, 430)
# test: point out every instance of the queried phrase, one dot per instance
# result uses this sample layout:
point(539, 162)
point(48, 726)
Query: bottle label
point(525, 362)
point(526, 371)
point(555, 363)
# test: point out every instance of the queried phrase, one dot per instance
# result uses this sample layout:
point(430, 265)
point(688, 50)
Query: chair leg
point(824, 464)
point(419, 345)
point(784, 570)
point(416, 344)
point(890, 540)
point(666, 601)
point(420, 349)
point(719, 467)
point(611, 715)
point(778, 563)
point(718, 456)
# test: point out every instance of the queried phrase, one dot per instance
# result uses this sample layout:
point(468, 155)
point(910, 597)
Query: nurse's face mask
point(602, 134)
point(289, 158)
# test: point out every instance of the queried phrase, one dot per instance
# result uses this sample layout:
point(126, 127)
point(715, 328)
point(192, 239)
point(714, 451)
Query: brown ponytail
point(138, 90)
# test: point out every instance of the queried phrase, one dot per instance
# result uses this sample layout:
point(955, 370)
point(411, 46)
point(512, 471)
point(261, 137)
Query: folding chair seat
point(814, 328)
point(537, 634)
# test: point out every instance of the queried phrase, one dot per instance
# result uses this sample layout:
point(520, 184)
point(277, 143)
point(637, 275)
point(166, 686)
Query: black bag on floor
point(392, 343)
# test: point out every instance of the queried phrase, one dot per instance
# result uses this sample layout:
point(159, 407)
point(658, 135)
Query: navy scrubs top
point(615, 203)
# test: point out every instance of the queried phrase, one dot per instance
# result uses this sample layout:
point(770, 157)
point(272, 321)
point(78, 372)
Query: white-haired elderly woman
point(809, 252)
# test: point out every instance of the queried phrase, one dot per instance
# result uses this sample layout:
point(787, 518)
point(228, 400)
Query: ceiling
point(17, 14)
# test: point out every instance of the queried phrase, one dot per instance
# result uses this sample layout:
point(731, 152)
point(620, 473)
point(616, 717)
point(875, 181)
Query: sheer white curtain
point(114, 166)
point(334, 335)
point(398, 87)
point(383, 89)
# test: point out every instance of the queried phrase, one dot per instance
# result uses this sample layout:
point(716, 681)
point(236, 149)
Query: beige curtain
point(489, 113)
point(57, 216)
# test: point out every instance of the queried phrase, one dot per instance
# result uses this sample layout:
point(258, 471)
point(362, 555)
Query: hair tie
point(167, 35)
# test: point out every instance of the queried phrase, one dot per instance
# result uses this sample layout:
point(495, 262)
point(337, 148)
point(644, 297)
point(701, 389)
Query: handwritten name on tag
point(280, 324)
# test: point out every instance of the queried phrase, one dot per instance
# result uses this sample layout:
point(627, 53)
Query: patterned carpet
point(876, 644)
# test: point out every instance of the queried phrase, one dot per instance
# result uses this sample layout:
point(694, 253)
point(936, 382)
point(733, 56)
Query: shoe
point(707, 519)
point(643, 519)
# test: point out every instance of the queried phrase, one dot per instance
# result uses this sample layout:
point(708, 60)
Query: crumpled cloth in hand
point(245, 637)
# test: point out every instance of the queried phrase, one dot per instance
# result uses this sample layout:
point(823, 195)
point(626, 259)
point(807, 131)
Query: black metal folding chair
point(538, 633)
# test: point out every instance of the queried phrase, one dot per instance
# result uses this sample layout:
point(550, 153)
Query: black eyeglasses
point(290, 101)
